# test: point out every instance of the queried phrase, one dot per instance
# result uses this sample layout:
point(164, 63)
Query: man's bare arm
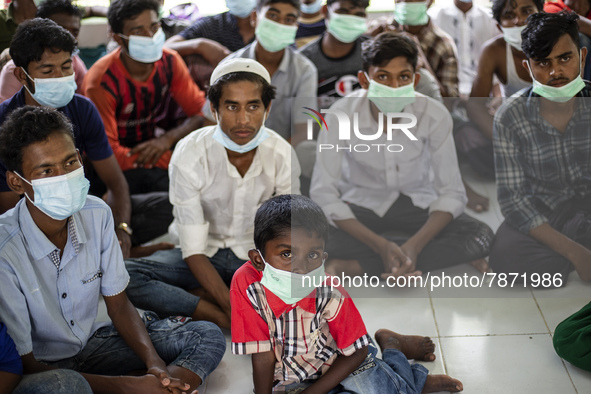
point(211, 280)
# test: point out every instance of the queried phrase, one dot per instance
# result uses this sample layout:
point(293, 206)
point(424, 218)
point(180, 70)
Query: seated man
point(409, 186)
point(215, 37)
point(219, 175)
point(42, 53)
point(59, 381)
point(68, 16)
point(135, 86)
point(311, 23)
point(572, 338)
point(59, 254)
point(294, 76)
point(470, 26)
point(583, 8)
point(410, 16)
point(304, 334)
point(337, 53)
point(542, 145)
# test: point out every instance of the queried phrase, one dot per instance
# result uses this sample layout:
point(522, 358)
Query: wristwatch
point(125, 227)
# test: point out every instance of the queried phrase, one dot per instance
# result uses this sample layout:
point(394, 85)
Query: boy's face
point(561, 66)
point(515, 12)
point(51, 65)
point(295, 251)
point(55, 156)
point(241, 111)
point(69, 22)
point(345, 7)
point(396, 73)
point(283, 13)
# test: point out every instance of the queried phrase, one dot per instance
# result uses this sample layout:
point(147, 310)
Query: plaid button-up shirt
point(537, 167)
point(306, 337)
point(440, 51)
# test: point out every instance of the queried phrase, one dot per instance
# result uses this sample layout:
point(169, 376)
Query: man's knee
point(60, 381)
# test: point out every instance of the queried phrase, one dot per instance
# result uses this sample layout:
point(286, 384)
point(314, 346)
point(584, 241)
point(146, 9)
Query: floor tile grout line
point(437, 331)
point(551, 338)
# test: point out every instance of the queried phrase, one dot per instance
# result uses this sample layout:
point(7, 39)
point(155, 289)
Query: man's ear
point(324, 12)
point(117, 38)
point(256, 259)
point(19, 73)
point(14, 182)
point(417, 79)
point(363, 81)
point(524, 64)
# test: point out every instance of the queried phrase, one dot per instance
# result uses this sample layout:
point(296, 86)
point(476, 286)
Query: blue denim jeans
point(160, 282)
point(60, 381)
point(195, 345)
point(393, 374)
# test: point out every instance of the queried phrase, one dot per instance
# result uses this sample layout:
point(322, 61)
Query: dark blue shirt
point(89, 131)
point(9, 358)
point(221, 28)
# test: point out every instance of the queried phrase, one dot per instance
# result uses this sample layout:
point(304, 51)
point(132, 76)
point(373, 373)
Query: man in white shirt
point(408, 180)
point(219, 176)
point(470, 26)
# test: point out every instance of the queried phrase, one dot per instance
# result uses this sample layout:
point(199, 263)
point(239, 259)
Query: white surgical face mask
point(512, 35)
point(288, 286)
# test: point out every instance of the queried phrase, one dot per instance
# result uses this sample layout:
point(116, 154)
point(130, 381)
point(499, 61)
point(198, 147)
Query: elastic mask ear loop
point(23, 178)
point(26, 87)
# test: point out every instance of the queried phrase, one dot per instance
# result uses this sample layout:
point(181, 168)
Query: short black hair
point(498, 5)
point(215, 91)
point(120, 10)
point(51, 7)
point(387, 46)
point(354, 3)
point(543, 31)
point(281, 214)
point(34, 36)
point(25, 126)
point(262, 3)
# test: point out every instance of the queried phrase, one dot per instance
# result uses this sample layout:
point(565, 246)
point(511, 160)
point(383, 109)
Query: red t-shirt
point(129, 107)
point(554, 7)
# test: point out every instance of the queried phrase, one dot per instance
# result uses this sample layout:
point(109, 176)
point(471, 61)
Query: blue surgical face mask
point(227, 142)
point(289, 286)
point(59, 197)
point(53, 92)
point(241, 8)
point(145, 49)
point(311, 8)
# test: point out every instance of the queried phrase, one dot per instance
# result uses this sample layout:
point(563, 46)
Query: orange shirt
point(129, 107)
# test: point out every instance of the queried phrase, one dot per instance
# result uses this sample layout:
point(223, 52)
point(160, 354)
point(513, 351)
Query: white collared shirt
point(469, 31)
point(213, 206)
point(426, 170)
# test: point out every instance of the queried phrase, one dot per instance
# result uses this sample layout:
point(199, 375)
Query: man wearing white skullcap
point(219, 176)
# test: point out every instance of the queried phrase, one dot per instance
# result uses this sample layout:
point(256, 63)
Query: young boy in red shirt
point(304, 334)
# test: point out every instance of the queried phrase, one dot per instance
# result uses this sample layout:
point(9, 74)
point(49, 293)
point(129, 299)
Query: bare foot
point(437, 383)
point(414, 347)
point(481, 265)
point(143, 251)
point(476, 202)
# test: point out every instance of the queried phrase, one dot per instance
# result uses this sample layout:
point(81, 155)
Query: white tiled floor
point(492, 343)
point(493, 340)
